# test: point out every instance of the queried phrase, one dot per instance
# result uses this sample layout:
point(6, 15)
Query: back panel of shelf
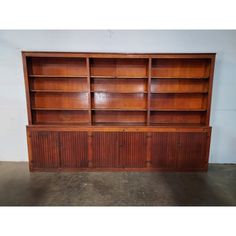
point(118, 67)
point(54, 66)
point(181, 68)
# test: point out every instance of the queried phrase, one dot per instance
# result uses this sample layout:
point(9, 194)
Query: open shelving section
point(119, 89)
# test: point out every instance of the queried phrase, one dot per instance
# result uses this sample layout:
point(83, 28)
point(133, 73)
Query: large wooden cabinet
point(107, 111)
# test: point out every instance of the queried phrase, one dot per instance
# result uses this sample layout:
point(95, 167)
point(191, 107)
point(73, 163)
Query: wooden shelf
point(168, 77)
point(179, 109)
point(59, 76)
point(118, 92)
point(176, 124)
point(64, 123)
point(186, 92)
point(117, 109)
point(117, 124)
point(59, 109)
point(118, 77)
point(56, 91)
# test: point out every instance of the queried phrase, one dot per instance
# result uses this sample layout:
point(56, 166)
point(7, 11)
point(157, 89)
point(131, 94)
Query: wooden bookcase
point(100, 111)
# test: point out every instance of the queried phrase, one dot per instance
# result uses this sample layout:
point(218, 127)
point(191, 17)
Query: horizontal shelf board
point(117, 109)
point(169, 77)
point(59, 76)
point(56, 91)
point(187, 92)
point(59, 109)
point(62, 123)
point(118, 77)
point(118, 124)
point(117, 92)
point(174, 109)
point(177, 124)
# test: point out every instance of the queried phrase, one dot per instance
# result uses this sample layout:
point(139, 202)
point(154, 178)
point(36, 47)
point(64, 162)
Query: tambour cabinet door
point(132, 149)
point(74, 149)
point(192, 150)
point(44, 150)
point(105, 149)
point(164, 150)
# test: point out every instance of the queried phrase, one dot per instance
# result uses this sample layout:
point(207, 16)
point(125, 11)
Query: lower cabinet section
point(179, 151)
point(94, 150)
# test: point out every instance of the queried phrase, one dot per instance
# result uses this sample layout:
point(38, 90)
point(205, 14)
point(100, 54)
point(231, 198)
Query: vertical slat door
point(192, 150)
point(74, 149)
point(179, 150)
point(105, 151)
point(45, 150)
point(132, 149)
point(164, 150)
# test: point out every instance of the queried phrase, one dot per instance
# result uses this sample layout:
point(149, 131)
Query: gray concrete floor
point(19, 187)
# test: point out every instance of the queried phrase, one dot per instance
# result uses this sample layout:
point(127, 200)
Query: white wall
point(13, 114)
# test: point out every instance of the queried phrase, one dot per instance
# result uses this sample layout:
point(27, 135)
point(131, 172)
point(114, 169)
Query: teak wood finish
point(114, 111)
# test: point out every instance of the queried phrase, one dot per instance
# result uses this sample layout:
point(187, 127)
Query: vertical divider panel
point(89, 90)
point(149, 89)
point(210, 84)
point(27, 89)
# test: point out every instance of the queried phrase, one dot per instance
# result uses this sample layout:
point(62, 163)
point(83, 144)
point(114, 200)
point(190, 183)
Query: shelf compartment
point(120, 101)
point(182, 68)
point(61, 101)
point(179, 86)
point(119, 85)
point(178, 101)
point(123, 117)
point(60, 117)
point(177, 117)
point(59, 84)
point(55, 66)
point(117, 67)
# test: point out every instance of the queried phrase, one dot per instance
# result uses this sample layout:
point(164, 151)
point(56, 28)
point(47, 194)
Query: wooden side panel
point(192, 151)
point(74, 149)
point(44, 149)
point(132, 149)
point(105, 149)
point(164, 150)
